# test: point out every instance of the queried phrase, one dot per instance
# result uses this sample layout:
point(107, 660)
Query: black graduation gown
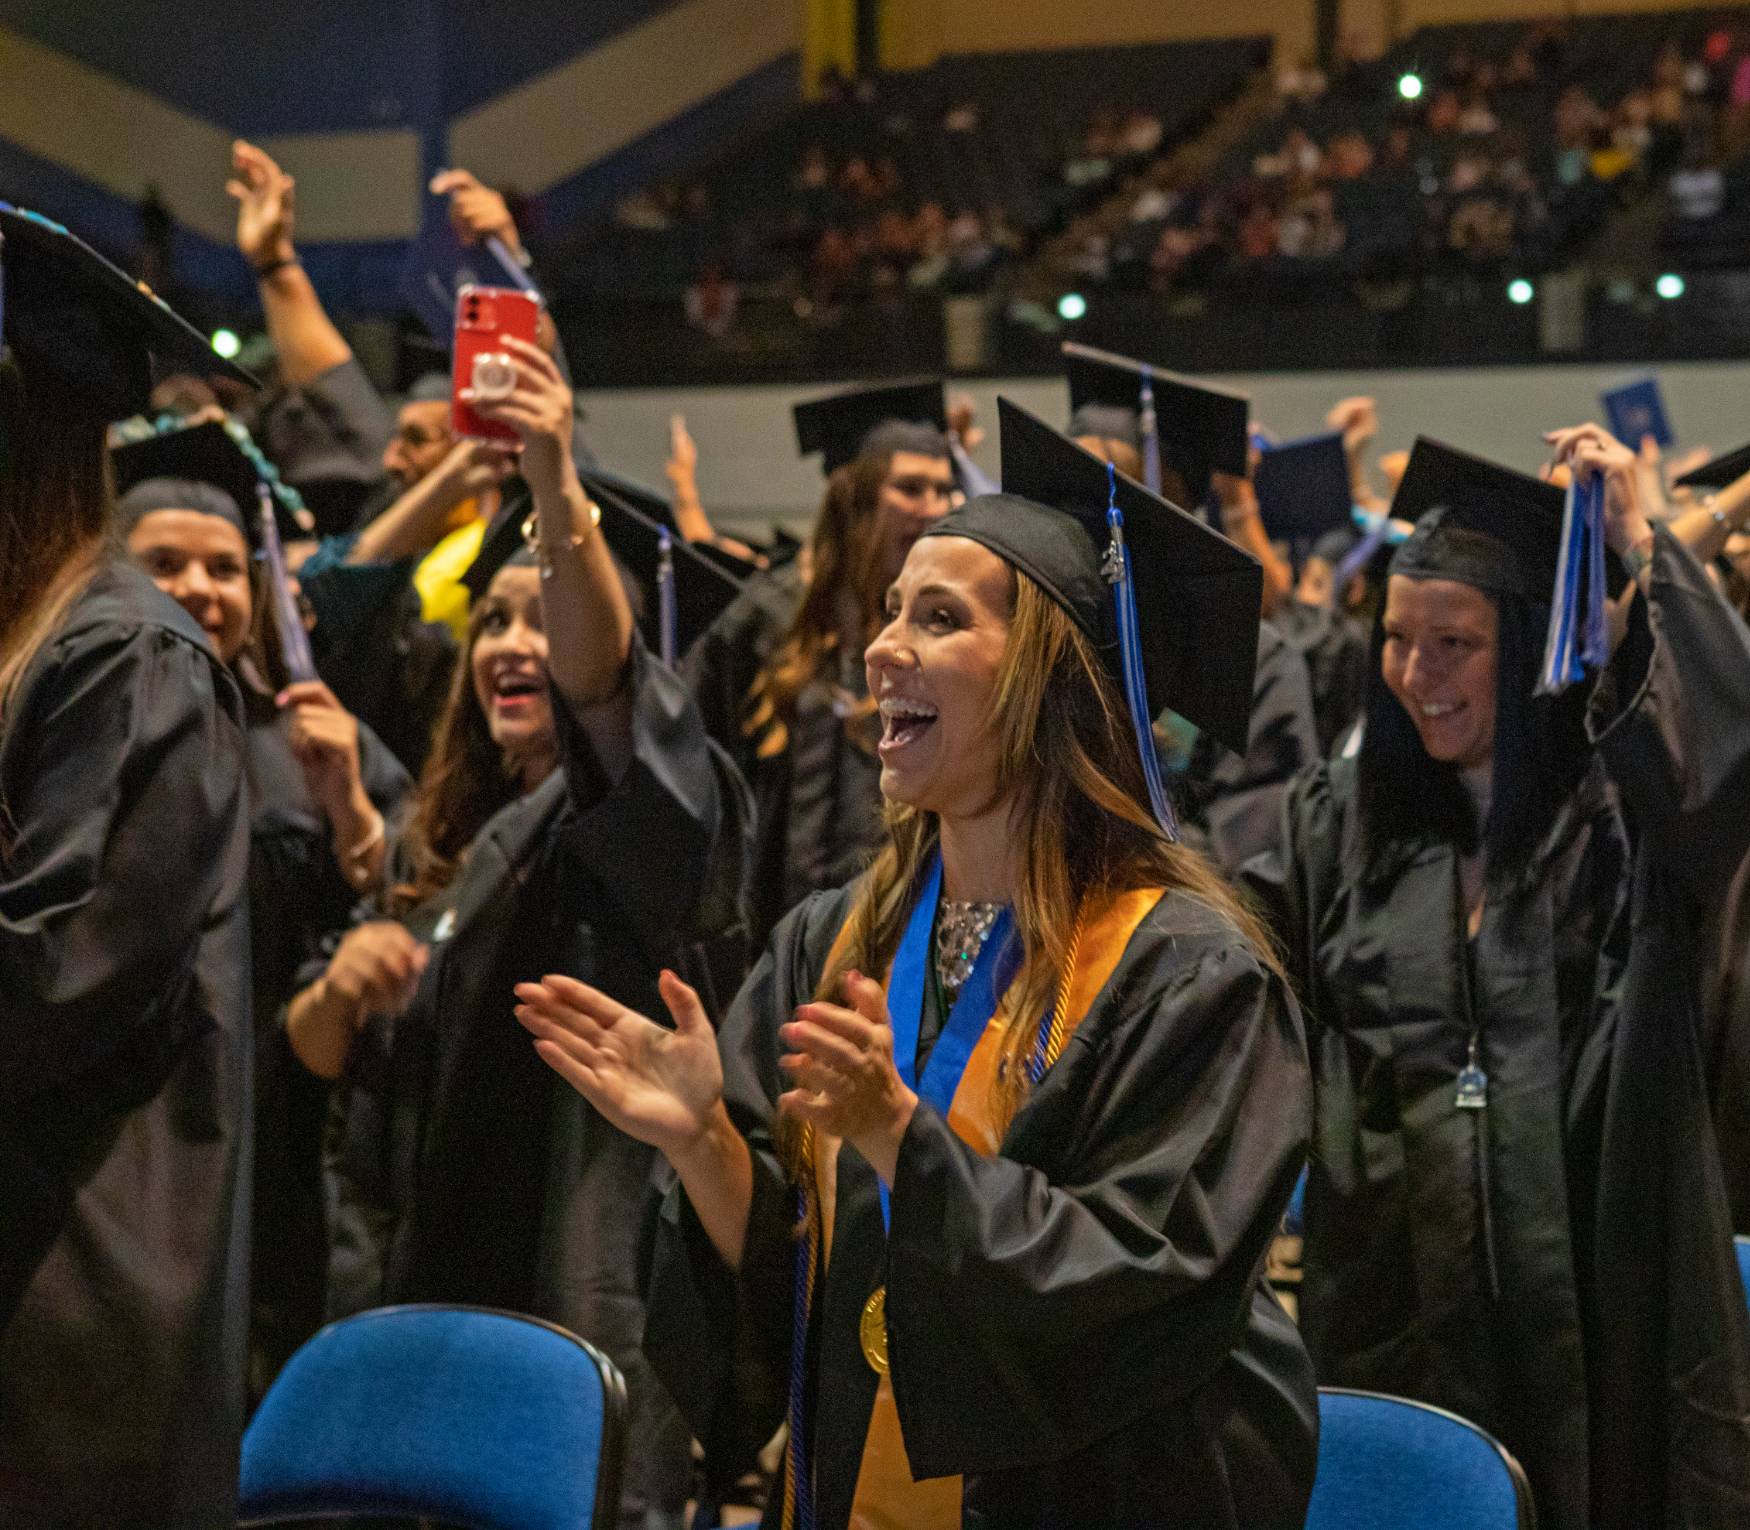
point(1079, 1325)
point(299, 903)
point(818, 803)
point(387, 666)
point(1726, 996)
point(1335, 648)
point(1231, 804)
point(124, 1075)
point(1616, 1362)
point(463, 1169)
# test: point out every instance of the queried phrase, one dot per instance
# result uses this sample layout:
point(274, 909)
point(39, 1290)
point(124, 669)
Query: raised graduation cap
point(87, 323)
point(633, 521)
point(439, 265)
point(843, 425)
point(1201, 428)
point(1197, 595)
point(1303, 488)
point(1521, 515)
point(1636, 409)
point(1718, 473)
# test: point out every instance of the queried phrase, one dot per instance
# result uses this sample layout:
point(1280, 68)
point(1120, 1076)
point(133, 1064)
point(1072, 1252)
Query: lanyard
point(966, 1021)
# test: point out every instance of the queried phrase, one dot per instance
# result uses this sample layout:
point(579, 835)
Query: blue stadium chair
point(477, 1419)
point(1389, 1464)
point(1743, 1247)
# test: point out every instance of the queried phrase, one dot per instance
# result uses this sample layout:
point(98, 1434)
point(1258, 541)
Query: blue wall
point(303, 66)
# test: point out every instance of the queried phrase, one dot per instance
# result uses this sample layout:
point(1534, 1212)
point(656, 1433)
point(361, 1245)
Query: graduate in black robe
point(124, 962)
point(779, 677)
point(574, 817)
point(1515, 1208)
point(321, 787)
point(1063, 1321)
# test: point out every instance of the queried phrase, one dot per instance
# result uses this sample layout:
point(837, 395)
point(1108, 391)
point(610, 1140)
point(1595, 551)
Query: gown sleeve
point(671, 840)
point(1290, 881)
point(720, 1338)
point(1028, 1318)
point(124, 784)
point(1244, 794)
point(1678, 747)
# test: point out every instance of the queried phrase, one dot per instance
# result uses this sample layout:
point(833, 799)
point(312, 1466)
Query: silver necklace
point(961, 931)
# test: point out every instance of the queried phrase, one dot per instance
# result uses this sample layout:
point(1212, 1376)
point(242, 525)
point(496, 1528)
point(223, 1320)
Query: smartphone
point(484, 316)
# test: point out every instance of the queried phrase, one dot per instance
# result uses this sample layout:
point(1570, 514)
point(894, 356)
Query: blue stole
point(997, 962)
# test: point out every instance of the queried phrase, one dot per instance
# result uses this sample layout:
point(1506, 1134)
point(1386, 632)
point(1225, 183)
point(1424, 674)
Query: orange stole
point(886, 1497)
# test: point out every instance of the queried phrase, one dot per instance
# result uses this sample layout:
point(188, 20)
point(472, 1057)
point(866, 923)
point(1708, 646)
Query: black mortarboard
point(633, 520)
point(201, 468)
point(201, 454)
point(1201, 428)
point(1197, 595)
point(1718, 473)
point(1497, 530)
point(87, 323)
point(502, 546)
point(1303, 488)
point(905, 416)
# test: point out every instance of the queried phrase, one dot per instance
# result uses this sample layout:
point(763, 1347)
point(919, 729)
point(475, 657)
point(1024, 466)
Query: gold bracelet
point(532, 536)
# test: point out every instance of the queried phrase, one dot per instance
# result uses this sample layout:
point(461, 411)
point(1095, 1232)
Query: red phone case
point(484, 315)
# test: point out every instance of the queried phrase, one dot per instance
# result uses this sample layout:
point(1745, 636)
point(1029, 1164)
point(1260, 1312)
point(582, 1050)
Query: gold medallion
point(872, 1330)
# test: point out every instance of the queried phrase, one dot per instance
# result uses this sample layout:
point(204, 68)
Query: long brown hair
point(1067, 763)
point(54, 504)
point(844, 551)
point(464, 783)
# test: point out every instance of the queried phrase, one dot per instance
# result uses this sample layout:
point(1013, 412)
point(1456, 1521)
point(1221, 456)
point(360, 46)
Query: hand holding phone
point(485, 317)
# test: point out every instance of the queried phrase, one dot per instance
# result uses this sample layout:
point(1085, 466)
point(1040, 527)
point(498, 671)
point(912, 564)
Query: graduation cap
point(201, 468)
point(1303, 488)
point(74, 316)
point(640, 530)
point(1720, 473)
point(502, 546)
point(1518, 517)
point(905, 416)
point(1170, 605)
point(1198, 429)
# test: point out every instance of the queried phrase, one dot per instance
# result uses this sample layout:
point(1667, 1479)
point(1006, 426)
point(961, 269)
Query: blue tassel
point(667, 624)
point(973, 479)
point(294, 640)
point(1352, 565)
point(1578, 638)
point(1595, 646)
point(1116, 568)
point(1151, 435)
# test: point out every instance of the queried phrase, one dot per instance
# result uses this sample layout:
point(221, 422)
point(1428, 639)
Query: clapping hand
point(658, 1085)
point(841, 1058)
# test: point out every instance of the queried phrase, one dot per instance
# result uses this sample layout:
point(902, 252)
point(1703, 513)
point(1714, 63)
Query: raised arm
point(1244, 525)
point(417, 521)
point(588, 619)
point(303, 335)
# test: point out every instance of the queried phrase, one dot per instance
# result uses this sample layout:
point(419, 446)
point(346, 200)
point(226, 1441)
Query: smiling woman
point(1493, 918)
point(1032, 1085)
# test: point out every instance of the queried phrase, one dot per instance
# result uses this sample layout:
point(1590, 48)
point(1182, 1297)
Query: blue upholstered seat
point(478, 1419)
point(1743, 1246)
point(1389, 1464)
